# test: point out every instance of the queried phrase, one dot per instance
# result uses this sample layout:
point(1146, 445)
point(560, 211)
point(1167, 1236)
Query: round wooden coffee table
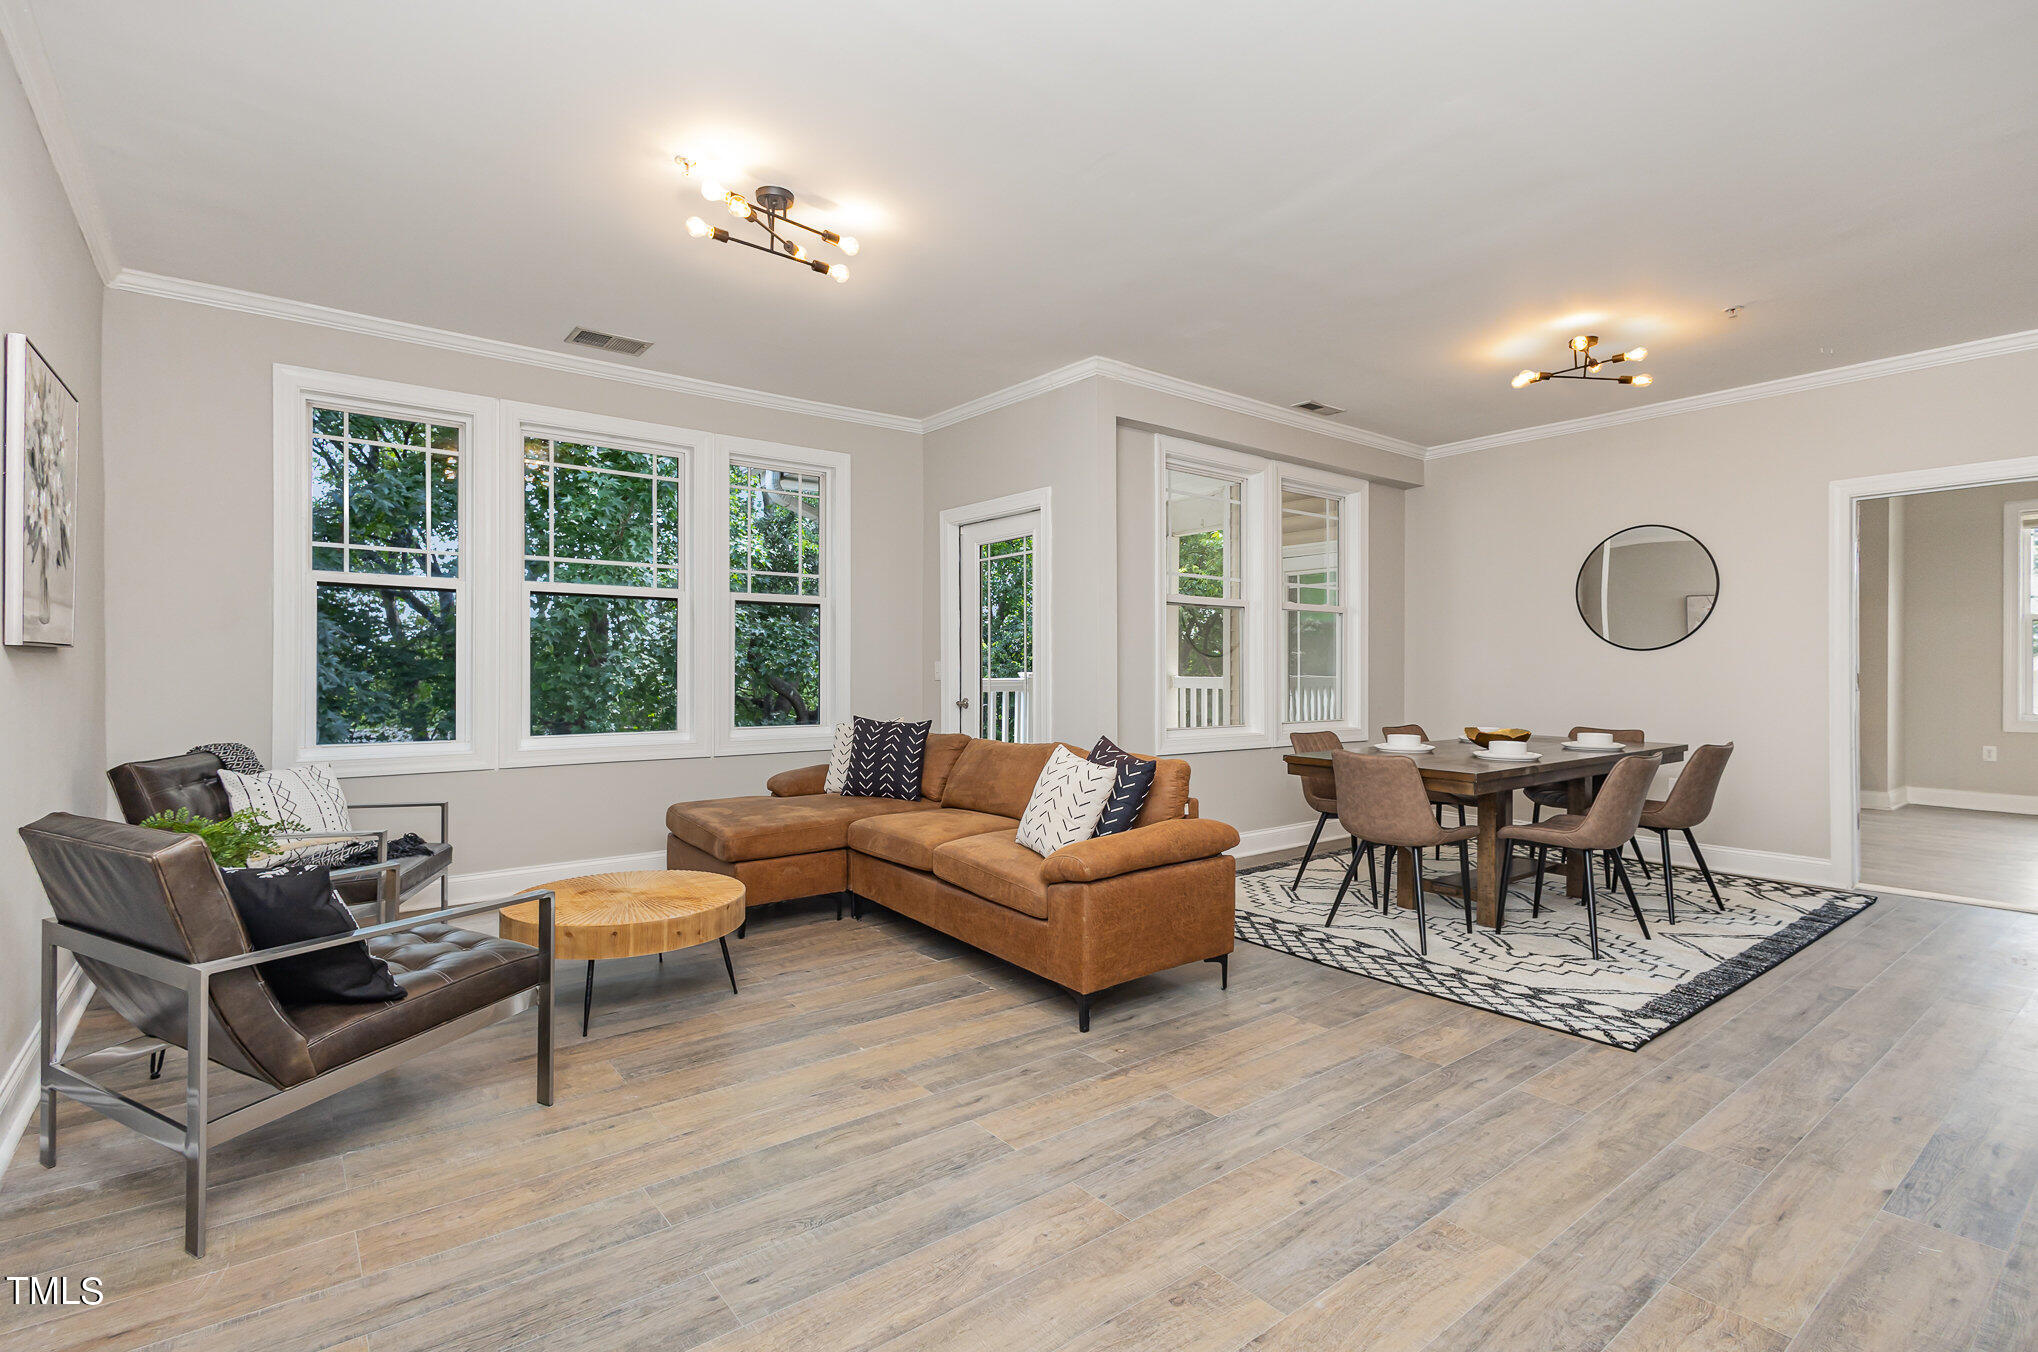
point(632, 915)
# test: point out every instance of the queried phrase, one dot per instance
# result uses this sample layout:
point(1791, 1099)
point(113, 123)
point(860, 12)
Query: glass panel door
point(997, 619)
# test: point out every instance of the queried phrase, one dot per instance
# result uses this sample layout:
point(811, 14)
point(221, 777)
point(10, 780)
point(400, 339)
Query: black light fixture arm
point(768, 211)
point(1585, 366)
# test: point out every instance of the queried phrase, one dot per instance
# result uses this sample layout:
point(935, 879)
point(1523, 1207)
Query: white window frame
point(519, 745)
point(949, 662)
point(294, 604)
point(718, 602)
point(1352, 496)
point(2019, 694)
point(1258, 561)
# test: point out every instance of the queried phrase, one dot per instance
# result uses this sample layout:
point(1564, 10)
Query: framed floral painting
point(40, 528)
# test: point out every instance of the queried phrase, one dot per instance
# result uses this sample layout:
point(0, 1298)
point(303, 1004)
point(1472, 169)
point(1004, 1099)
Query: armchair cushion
point(1169, 842)
point(289, 905)
point(444, 971)
point(413, 872)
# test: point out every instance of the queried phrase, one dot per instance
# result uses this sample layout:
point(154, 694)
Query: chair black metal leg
point(1314, 836)
point(1669, 879)
point(1622, 870)
point(156, 1062)
point(1536, 900)
point(1635, 844)
point(1372, 875)
point(587, 999)
point(1704, 869)
point(1436, 851)
point(1082, 1013)
point(1465, 877)
point(1421, 908)
point(727, 965)
point(1506, 873)
point(1223, 961)
point(1591, 909)
point(1351, 871)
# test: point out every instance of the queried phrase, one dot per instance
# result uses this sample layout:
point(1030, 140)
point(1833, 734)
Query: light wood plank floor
point(888, 1141)
point(1992, 856)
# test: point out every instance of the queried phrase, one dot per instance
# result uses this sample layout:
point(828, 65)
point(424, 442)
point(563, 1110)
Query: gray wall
point(1494, 637)
point(1952, 645)
point(1881, 595)
point(189, 430)
point(52, 700)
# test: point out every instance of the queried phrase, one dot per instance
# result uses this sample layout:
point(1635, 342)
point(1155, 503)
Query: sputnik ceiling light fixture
point(1585, 366)
point(768, 210)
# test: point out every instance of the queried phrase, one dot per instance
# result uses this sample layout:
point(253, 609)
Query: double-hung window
point(1314, 629)
point(604, 602)
point(776, 524)
point(1209, 617)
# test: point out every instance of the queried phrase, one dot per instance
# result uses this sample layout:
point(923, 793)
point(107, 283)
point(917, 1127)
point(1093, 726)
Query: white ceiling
point(1391, 208)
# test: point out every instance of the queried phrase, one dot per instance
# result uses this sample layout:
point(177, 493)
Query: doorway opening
point(995, 599)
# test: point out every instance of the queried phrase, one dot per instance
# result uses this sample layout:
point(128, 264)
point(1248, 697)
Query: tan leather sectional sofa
point(1088, 916)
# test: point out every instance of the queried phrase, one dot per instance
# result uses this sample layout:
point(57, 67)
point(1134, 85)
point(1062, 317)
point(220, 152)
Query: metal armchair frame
point(199, 1131)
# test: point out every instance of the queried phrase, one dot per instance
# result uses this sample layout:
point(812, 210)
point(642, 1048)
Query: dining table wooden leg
point(1496, 810)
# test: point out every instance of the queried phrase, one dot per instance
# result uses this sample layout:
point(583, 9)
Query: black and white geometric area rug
point(1541, 970)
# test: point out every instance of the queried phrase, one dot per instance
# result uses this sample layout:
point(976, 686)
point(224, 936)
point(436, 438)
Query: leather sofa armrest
point(1173, 842)
point(1192, 809)
point(798, 783)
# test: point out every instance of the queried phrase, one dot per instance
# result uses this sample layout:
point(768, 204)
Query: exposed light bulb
point(1580, 343)
point(713, 191)
point(848, 245)
point(793, 247)
point(738, 207)
point(1634, 354)
point(839, 271)
point(1645, 379)
point(696, 227)
point(1592, 368)
point(686, 166)
point(1525, 378)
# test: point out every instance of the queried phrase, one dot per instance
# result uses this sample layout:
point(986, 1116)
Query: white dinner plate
point(1529, 759)
point(1591, 746)
point(1404, 750)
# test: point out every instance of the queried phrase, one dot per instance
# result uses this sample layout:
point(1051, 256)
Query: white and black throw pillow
point(1067, 800)
point(307, 796)
point(838, 758)
point(1128, 793)
point(886, 759)
point(289, 905)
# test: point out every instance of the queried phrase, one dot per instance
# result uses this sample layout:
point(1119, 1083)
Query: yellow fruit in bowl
point(1488, 736)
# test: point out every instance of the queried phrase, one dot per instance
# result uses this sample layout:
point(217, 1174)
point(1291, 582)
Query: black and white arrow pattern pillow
point(307, 795)
point(886, 759)
point(1128, 793)
point(1067, 799)
point(838, 758)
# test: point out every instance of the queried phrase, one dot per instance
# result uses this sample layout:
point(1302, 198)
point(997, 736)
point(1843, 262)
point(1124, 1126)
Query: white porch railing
point(1202, 701)
point(1312, 699)
point(1008, 708)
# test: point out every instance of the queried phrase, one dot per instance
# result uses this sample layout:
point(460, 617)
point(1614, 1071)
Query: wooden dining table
point(1492, 784)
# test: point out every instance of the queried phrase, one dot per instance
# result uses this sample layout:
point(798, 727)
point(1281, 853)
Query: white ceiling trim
point(39, 82)
point(276, 307)
point(1172, 385)
point(1813, 380)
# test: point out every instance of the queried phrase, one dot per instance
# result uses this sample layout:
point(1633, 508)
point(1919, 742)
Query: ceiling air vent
point(608, 342)
point(1318, 407)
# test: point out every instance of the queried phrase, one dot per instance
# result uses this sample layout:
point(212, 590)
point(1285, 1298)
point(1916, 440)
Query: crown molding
point(31, 62)
point(2002, 345)
point(1170, 385)
point(303, 312)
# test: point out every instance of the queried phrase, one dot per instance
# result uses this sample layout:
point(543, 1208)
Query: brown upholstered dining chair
point(1689, 803)
point(1559, 795)
point(192, 781)
point(148, 917)
point(1603, 829)
point(1382, 801)
point(1439, 798)
point(1319, 789)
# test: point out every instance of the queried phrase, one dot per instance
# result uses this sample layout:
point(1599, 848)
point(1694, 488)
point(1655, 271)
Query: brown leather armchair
point(147, 915)
point(192, 781)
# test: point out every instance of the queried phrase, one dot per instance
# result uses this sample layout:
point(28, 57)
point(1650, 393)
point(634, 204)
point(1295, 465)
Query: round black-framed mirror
point(1647, 587)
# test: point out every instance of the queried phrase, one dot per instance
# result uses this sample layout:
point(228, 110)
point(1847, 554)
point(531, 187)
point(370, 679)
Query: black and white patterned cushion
point(886, 759)
point(235, 756)
point(307, 795)
point(838, 758)
point(1067, 800)
point(1128, 793)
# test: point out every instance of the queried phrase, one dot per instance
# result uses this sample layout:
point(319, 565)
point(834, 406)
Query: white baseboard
point(2022, 804)
point(23, 1080)
point(492, 884)
point(1786, 868)
point(1884, 800)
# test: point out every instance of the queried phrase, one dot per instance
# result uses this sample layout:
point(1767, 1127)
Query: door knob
point(962, 703)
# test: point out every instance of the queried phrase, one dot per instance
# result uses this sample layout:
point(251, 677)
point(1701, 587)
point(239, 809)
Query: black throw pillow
point(885, 759)
point(1128, 794)
point(293, 903)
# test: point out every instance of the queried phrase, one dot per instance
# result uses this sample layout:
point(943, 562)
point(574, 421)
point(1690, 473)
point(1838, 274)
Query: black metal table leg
point(729, 966)
point(587, 999)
